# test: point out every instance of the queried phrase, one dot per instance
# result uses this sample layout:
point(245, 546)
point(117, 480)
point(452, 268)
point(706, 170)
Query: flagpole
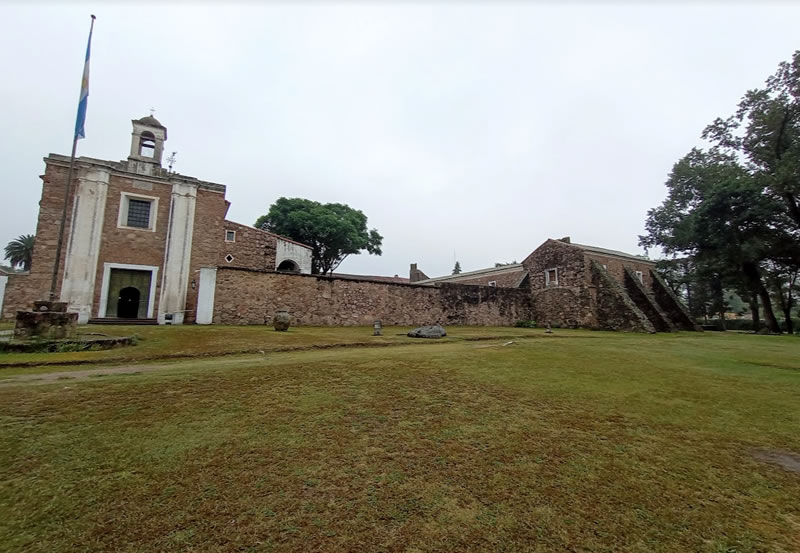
point(60, 243)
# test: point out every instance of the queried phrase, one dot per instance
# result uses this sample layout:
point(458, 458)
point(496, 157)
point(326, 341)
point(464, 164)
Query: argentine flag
point(84, 99)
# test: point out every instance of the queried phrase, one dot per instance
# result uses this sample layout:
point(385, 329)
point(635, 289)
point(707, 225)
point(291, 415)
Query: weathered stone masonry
point(252, 297)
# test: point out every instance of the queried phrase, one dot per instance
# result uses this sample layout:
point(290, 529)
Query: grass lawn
point(593, 442)
point(190, 341)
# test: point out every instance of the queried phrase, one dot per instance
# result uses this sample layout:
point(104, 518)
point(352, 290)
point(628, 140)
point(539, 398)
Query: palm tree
point(20, 251)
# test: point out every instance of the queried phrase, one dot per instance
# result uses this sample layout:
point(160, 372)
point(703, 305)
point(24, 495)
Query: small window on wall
point(640, 276)
point(230, 236)
point(493, 283)
point(137, 212)
point(551, 277)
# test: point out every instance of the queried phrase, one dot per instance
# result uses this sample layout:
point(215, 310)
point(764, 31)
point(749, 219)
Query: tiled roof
point(511, 268)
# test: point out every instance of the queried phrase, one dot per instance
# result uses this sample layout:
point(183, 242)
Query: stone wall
point(646, 303)
point(566, 302)
point(566, 259)
point(21, 291)
point(251, 297)
point(614, 308)
point(252, 248)
point(616, 267)
point(562, 307)
point(671, 305)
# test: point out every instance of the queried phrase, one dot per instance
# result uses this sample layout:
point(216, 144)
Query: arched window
point(288, 266)
point(147, 144)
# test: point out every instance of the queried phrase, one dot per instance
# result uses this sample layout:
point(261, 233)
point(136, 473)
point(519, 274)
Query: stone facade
point(563, 298)
point(579, 285)
point(249, 248)
point(250, 297)
point(646, 302)
point(133, 216)
point(614, 308)
point(671, 305)
point(20, 293)
point(575, 285)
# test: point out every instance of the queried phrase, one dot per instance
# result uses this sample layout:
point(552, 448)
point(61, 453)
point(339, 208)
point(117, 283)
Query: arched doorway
point(288, 266)
point(128, 303)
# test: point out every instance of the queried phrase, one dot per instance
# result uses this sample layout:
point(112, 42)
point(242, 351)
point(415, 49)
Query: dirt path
point(80, 375)
point(221, 360)
point(45, 378)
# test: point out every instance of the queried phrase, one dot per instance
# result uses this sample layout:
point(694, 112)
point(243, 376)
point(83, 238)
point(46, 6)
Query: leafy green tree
point(734, 210)
point(717, 214)
point(765, 135)
point(19, 252)
point(457, 268)
point(334, 231)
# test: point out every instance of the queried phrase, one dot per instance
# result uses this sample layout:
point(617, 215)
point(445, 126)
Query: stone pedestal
point(48, 321)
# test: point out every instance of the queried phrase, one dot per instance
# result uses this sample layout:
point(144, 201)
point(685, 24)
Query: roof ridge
point(488, 270)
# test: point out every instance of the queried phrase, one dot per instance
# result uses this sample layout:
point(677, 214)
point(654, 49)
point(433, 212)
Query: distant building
point(140, 241)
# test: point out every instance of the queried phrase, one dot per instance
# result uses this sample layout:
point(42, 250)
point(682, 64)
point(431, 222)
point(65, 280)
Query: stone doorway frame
point(151, 302)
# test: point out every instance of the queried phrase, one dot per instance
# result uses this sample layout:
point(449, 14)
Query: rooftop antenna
point(171, 159)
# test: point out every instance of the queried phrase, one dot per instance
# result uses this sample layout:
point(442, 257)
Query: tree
point(333, 231)
point(457, 268)
point(734, 210)
point(717, 214)
point(19, 252)
point(765, 134)
point(782, 280)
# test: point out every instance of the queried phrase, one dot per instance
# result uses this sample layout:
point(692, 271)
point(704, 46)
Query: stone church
point(146, 244)
point(141, 242)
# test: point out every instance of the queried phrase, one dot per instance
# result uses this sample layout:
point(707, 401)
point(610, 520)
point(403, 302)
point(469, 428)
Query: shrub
point(525, 324)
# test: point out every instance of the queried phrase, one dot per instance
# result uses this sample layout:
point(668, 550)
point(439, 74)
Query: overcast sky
point(470, 131)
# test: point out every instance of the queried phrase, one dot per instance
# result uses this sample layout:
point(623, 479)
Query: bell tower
point(147, 146)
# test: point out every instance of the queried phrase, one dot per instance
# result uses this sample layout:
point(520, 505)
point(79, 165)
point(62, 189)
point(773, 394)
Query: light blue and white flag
point(84, 99)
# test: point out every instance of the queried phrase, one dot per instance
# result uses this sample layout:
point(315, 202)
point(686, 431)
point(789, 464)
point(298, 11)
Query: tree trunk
point(719, 299)
point(753, 301)
point(787, 316)
point(787, 304)
point(784, 302)
point(753, 275)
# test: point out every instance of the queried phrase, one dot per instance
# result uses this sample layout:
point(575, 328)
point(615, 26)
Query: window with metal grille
point(138, 213)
